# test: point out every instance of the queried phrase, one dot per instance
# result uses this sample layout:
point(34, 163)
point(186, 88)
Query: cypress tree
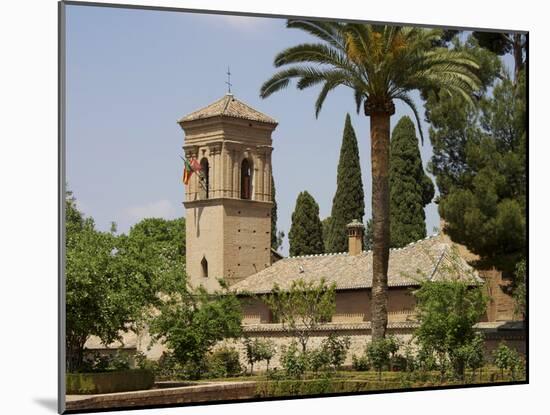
point(410, 188)
point(306, 232)
point(367, 236)
point(349, 201)
point(274, 243)
point(326, 229)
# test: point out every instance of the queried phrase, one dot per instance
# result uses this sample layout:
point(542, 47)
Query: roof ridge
point(223, 108)
point(228, 99)
point(317, 255)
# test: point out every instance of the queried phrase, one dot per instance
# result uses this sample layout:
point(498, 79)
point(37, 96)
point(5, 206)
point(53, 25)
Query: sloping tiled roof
point(229, 106)
point(432, 258)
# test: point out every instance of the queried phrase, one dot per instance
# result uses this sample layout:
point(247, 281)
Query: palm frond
point(313, 53)
point(359, 98)
point(333, 80)
point(410, 103)
point(281, 79)
point(330, 32)
point(379, 62)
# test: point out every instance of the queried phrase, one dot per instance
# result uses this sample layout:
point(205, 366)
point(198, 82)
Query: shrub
point(224, 362)
point(109, 382)
point(120, 361)
point(101, 362)
point(425, 360)
point(506, 358)
point(378, 355)
point(360, 363)
point(318, 360)
point(336, 349)
point(408, 361)
point(468, 355)
point(294, 362)
point(258, 350)
point(381, 352)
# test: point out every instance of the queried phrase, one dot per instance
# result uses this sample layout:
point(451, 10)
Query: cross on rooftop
point(228, 82)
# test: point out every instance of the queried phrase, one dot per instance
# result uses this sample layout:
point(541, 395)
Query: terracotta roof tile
point(228, 106)
point(431, 258)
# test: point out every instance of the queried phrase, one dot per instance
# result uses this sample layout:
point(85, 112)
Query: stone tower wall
point(233, 234)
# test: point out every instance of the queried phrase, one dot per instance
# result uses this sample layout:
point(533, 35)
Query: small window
point(204, 266)
point(246, 180)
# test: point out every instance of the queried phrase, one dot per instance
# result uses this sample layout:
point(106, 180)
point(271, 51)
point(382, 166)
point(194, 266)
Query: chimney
point(355, 237)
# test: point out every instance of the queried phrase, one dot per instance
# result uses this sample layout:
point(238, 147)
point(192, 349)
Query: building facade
point(228, 235)
point(228, 205)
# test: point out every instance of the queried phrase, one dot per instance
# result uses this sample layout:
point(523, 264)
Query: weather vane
point(228, 82)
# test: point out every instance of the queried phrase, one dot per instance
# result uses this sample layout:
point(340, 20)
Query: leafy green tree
point(191, 322)
point(306, 232)
point(452, 123)
point(470, 354)
point(380, 352)
point(336, 348)
point(100, 298)
point(303, 307)
point(410, 188)
point(266, 351)
point(506, 358)
point(380, 64)
point(446, 312)
point(330, 355)
point(349, 201)
point(503, 43)
point(155, 251)
point(258, 350)
point(483, 202)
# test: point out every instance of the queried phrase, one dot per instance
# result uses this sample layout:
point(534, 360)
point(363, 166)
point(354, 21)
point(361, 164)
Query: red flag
point(195, 165)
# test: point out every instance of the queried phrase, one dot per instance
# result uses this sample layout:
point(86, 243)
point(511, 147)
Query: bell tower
point(228, 210)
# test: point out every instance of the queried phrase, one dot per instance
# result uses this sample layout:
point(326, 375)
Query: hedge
point(109, 382)
point(319, 386)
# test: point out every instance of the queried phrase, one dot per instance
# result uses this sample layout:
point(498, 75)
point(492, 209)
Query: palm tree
point(380, 64)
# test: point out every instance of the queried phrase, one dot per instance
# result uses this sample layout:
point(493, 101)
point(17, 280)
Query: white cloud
point(159, 209)
point(240, 23)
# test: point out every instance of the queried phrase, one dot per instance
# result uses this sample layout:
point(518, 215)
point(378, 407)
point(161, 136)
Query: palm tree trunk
point(380, 156)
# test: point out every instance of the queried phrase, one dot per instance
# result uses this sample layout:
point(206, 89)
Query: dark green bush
point(224, 362)
point(360, 363)
point(320, 386)
point(318, 360)
point(109, 382)
point(98, 362)
point(336, 349)
point(294, 362)
point(509, 359)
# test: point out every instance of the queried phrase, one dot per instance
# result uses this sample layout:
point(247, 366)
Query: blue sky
point(132, 73)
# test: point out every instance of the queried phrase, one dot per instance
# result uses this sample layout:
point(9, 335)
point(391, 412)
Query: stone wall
point(352, 306)
point(246, 238)
point(501, 305)
point(359, 337)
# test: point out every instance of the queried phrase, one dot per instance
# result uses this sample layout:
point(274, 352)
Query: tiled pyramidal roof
point(432, 258)
point(229, 106)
